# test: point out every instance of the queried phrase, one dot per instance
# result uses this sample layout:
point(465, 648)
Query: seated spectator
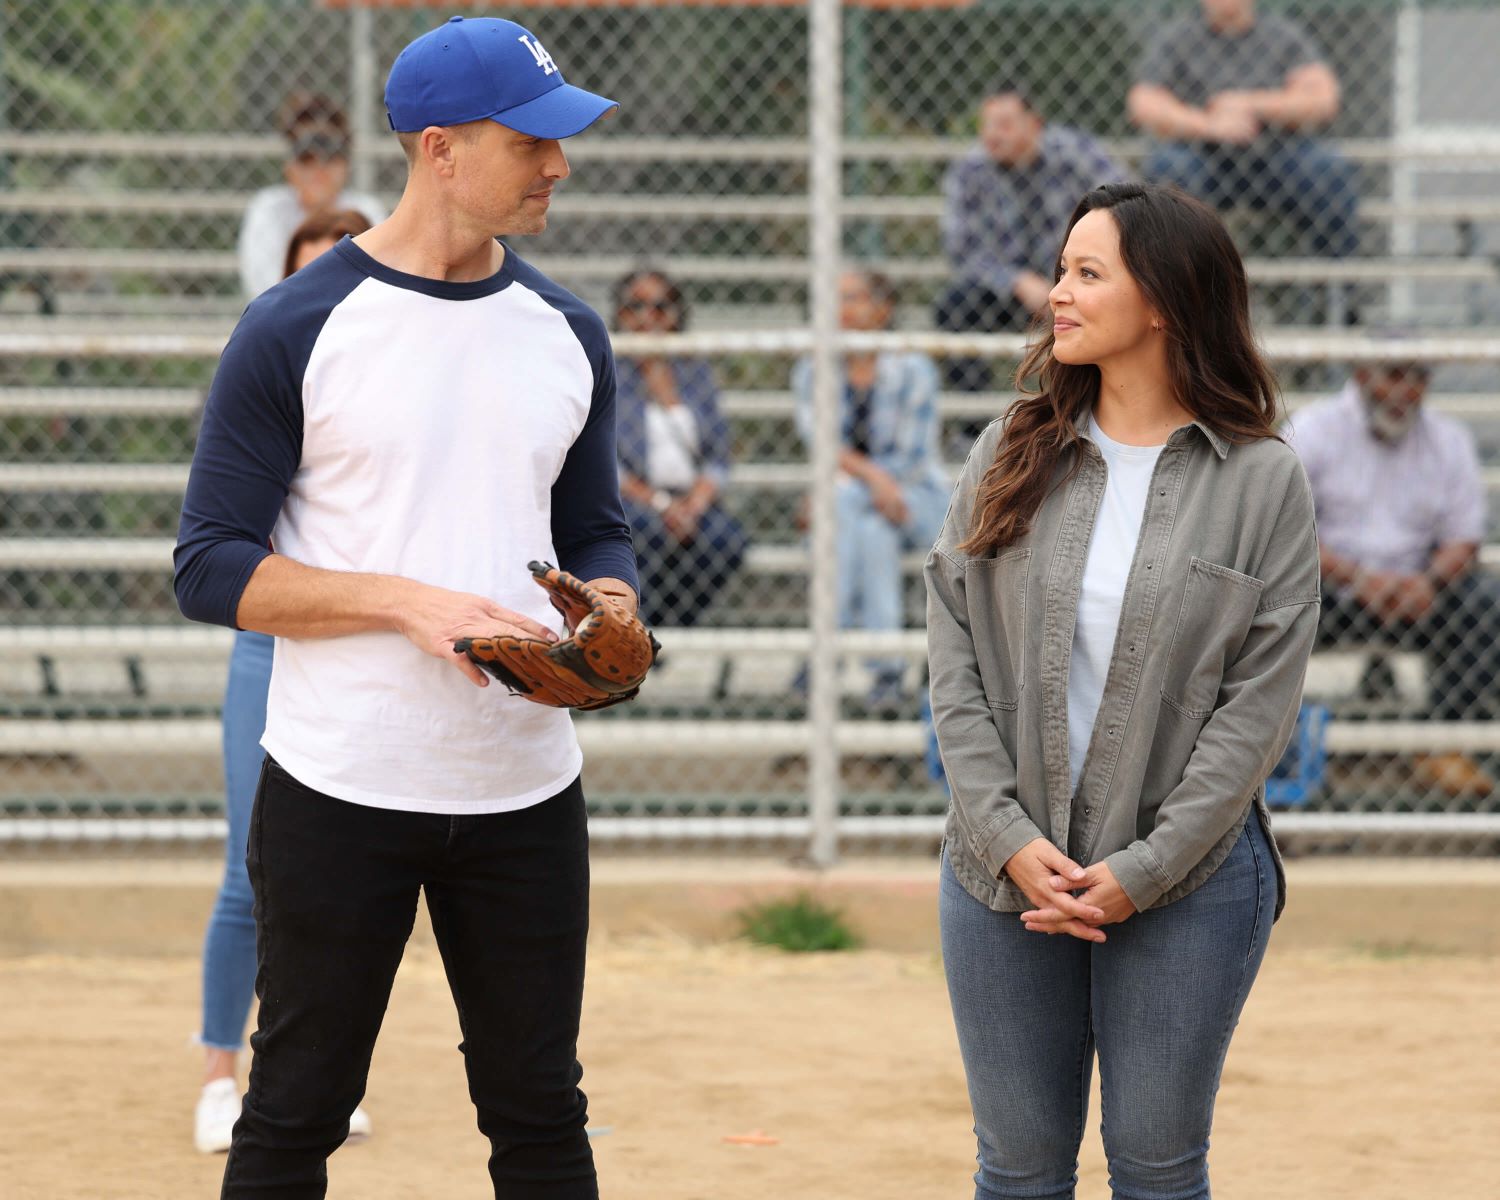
point(892, 493)
point(1400, 504)
point(1006, 206)
point(1235, 96)
point(316, 171)
point(674, 461)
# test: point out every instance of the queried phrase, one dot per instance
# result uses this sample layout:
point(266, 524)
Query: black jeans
point(336, 887)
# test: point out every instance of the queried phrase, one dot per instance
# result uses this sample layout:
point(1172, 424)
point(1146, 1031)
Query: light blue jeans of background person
point(229, 947)
point(1158, 1000)
point(870, 588)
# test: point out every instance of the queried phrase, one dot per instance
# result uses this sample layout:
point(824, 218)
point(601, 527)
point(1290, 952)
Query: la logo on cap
point(543, 59)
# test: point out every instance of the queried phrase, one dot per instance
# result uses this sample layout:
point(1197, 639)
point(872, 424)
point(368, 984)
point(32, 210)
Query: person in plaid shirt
point(1006, 204)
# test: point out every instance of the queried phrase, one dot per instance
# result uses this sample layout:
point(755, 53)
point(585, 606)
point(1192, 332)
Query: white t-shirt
point(671, 447)
point(1111, 550)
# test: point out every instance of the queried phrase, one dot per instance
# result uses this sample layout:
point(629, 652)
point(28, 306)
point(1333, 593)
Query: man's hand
point(1102, 892)
point(1033, 868)
point(434, 618)
point(1413, 599)
point(1032, 290)
point(1231, 118)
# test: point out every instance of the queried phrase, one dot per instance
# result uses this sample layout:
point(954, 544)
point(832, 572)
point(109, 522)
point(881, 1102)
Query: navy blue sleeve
point(250, 442)
point(589, 529)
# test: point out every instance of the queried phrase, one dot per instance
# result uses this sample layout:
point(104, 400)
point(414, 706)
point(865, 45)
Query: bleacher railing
point(758, 147)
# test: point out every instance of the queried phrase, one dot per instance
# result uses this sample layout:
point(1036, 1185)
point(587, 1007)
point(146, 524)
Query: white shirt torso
point(1117, 529)
point(671, 447)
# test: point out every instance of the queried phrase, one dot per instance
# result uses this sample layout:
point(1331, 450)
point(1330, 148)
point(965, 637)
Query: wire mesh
point(134, 138)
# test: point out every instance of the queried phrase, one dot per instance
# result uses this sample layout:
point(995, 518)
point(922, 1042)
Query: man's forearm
point(1450, 562)
point(1294, 108)
point(290, 599)
point(1158, 111)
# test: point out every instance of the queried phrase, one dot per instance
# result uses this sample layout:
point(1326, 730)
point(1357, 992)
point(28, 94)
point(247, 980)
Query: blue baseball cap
point(478, 67)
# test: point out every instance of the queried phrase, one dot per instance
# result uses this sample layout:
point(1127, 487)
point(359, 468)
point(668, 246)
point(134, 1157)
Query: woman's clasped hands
point(1050, 878)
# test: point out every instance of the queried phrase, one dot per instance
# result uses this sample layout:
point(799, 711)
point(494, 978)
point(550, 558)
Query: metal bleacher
point(133, 681)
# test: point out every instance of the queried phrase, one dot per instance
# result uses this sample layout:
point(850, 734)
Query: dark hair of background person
point(1008, 87)
point(675, 302)
point(1186, 265)
point(320, 226)
point(302, 109)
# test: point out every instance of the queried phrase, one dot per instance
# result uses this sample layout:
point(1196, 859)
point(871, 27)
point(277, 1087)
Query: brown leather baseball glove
point(603, 662)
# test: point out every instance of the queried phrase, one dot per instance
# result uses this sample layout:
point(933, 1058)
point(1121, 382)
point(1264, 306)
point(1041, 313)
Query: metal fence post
point(362, 91)
point(824, 173)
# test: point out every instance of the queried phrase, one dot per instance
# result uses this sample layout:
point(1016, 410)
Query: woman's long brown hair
point(1186, 265)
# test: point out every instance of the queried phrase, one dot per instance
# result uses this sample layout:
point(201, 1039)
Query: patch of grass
point(798, 925)
point(1392, 951)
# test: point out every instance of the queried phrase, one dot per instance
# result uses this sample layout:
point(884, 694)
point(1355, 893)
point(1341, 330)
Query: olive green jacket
point(1202, 691)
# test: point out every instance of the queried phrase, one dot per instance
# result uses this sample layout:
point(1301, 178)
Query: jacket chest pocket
point(1218, 606)
point(997, 617)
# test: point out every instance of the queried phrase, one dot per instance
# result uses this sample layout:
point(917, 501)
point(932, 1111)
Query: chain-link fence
point(155, 155)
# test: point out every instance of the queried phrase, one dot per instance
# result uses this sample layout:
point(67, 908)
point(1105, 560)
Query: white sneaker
point(213, 1120)
point(359, 1123)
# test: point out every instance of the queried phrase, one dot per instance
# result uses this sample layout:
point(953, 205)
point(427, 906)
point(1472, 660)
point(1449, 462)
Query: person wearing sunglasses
point(317, 177)
point(674, 461)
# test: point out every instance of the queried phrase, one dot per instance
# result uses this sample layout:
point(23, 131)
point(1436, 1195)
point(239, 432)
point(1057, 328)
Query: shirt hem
point(306, 773)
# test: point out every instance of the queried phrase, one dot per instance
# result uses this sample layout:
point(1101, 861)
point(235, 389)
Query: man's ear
point(437, 149)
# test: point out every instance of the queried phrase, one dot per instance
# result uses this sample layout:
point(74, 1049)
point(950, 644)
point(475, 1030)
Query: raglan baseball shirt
point(362, 419)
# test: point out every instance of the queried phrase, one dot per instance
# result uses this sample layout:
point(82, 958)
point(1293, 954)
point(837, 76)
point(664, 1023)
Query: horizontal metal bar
point(195, 640)
point(619, 830)
point(139, 478)
point(102, 401)
point(653, 738)
point(1461, 147)
point(1284, 345)
point(627, 207)
point(765, 403)
point(747, 269)
point(155, 554)
point(607, 738)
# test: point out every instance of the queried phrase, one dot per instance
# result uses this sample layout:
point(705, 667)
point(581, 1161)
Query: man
point(408, 421)
point(1006, 204)
point(316, 172)
point(1400, 505)
point(1235, 97)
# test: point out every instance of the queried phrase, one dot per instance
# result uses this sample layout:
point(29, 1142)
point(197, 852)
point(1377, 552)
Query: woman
point(891, 490)
point(1121, 607)
point(674, 461)
point(317, 176)
point(229, 946)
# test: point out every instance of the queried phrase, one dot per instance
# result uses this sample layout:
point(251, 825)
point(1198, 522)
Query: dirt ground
point(1369, 1072)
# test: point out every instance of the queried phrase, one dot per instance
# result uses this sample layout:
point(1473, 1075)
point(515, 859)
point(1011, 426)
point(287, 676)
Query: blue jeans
point(869, 552)
point(1159, 1001)
point(1298, 177)
point(229, 946)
